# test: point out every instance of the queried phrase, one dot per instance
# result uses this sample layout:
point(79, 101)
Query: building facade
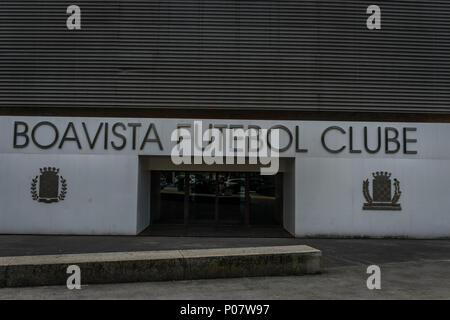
point(87, 116)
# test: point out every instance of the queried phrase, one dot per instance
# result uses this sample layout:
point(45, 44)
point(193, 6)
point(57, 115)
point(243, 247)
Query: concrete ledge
point(100, 268)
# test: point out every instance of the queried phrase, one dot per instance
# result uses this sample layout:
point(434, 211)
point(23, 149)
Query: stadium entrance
point(222, 200)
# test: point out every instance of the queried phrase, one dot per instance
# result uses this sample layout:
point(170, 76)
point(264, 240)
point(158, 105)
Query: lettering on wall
point(138, 136)
point(112, 136)
point(390, 140)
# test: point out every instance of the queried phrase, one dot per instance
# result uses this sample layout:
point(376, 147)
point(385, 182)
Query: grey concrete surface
point(336, 252)
point(139, 266)
point(404, 280)
point(411, 269)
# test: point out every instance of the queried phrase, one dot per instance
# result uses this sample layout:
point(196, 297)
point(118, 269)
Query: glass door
point(216, 198)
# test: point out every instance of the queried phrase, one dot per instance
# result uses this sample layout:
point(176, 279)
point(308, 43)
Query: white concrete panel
point(143, 214)
point(289, 195)
point(330, 198)
point(101, 197)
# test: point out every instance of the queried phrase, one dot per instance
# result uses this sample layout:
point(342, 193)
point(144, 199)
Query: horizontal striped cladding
point(242, 54)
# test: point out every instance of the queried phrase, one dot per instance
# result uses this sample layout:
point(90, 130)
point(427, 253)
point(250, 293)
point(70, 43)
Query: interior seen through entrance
point(216, 198)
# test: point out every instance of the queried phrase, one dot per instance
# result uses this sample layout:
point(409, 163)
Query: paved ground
point(411, 269)
point(405, 280)
point(336, 252)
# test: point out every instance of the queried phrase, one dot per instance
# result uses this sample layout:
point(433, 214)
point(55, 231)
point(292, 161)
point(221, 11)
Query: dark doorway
point(219, 199)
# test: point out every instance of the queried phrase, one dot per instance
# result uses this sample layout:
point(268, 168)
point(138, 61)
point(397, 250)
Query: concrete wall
point(289, 195)
point(143, 192)
point(330, 199)
point(101, 197)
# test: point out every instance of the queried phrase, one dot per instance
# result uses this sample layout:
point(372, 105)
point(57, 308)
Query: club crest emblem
point(382, 198)
point(49, 186)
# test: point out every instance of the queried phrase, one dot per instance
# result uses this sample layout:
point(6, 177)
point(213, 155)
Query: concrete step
point(98, 268)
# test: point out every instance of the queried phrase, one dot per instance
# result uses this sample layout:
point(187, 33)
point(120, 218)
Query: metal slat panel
point(222, 54)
